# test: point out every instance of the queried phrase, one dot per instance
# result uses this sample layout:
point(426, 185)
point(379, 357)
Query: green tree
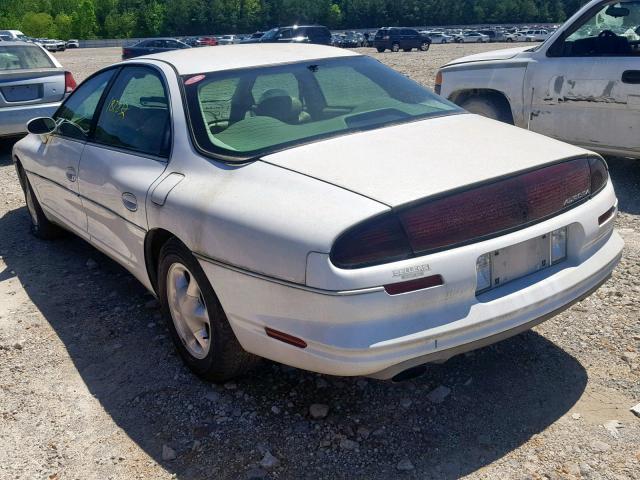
point(84, 20)
point(38, 24)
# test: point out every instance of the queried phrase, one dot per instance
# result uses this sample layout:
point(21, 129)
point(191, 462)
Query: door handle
point(71, 174)
point(631, 76)
point(130, 201)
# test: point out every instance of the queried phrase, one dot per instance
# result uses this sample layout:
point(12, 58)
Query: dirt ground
point(90, 386)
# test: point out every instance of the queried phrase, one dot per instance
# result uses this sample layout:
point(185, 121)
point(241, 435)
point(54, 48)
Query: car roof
point(214, 59)
point(18, 43)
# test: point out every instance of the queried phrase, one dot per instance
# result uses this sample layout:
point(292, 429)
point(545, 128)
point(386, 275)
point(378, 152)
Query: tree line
point(86, 19)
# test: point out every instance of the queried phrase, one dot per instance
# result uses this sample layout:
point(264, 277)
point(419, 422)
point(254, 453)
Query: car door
point(54, 170)
point(586, 90)
point(128, 150)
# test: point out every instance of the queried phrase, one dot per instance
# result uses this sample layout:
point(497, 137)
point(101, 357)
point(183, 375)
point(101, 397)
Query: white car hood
point(399, 164)
point(504, 54)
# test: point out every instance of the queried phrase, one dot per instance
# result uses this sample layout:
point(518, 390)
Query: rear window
point(252, 112)
point(21, 57)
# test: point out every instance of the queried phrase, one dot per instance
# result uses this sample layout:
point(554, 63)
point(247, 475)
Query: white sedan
point(310, 205)
point(472, 37)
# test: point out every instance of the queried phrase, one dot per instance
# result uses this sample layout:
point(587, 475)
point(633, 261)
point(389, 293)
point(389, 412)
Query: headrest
point(278, 104)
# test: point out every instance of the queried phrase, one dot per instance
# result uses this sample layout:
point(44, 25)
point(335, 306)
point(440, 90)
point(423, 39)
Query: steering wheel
point(607, 34)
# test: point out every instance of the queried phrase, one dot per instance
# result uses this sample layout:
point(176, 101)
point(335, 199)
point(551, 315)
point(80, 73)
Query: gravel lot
point(90, 386)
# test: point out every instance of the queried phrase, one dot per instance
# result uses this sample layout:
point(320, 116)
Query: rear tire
point(213, 351)
point(41, 227)
point(490, 106)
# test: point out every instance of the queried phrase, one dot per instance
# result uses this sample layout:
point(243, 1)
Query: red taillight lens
point(376, 241)
point(599, 174)
point(492, 209)
point(472, 215)
point(69, 82)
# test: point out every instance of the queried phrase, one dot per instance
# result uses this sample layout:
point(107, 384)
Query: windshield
point(247, 113)
point(19, 57)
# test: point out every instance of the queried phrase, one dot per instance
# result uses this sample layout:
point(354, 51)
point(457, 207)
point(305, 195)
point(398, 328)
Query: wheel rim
point(31, 206)
point(188, 311)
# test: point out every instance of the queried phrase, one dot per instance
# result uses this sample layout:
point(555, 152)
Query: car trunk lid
point(403, 163)
point(31, 86)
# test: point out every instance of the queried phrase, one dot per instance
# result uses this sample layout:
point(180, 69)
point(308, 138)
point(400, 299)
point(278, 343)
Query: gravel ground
point(90, 386)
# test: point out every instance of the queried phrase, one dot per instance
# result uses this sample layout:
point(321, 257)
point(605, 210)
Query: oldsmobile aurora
point(310, 205)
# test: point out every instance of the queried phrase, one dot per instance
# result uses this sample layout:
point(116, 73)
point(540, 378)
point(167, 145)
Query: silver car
point(32, 84)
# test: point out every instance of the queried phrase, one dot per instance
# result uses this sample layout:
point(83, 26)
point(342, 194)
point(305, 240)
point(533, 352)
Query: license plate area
point(22, 93)
point(505, 265)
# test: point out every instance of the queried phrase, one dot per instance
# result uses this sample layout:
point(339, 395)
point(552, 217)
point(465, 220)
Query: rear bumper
point(379, 335)
point(13, 120)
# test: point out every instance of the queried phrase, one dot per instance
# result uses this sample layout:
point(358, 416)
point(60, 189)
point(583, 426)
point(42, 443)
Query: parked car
point(437, 37)
point(52, 45)
point(73, 43)
point(536, 35)
point(472, 37)
point(254, 36)
point(397, 38)
point(32, 84)
point(155, 45)
point(14, 35)
point(494, 35)
point(192, 41)
point(228, 40)
point(579, 86)
point(316, 34)
point(254, 190)
point(514, 37)
point(208, 41)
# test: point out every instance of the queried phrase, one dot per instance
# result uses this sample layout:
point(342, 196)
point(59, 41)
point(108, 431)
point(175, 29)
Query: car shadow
point(625, 174)
point(5, 151)
point(499, 396)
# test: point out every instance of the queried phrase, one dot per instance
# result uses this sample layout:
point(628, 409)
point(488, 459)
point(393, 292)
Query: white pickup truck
point(582, 85)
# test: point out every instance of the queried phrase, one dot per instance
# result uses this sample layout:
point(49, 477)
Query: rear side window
point(75, 116)
point(135, 114)
point(21, 57)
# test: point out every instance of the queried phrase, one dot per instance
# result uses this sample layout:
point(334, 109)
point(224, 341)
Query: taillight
point(376, 241)
point(69, 82)
point(472, 215)
point(126, 53)
point(438, 83)
point(599, 174)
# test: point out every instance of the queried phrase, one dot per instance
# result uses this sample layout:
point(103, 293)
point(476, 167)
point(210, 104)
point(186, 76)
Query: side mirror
point(41, 125)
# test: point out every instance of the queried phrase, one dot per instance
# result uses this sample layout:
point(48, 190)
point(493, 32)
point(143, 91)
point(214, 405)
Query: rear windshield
point(251, 112)
point(20, 57)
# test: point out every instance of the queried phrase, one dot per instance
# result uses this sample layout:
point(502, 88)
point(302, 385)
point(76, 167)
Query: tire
point(224, 358)
point(490, 106)
point(380, 49)
point(41, 227)
point(425, 46)
point(395, 48)
point(509, 40)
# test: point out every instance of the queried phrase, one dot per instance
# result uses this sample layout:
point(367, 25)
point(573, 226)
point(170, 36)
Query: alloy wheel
point(188, 311)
